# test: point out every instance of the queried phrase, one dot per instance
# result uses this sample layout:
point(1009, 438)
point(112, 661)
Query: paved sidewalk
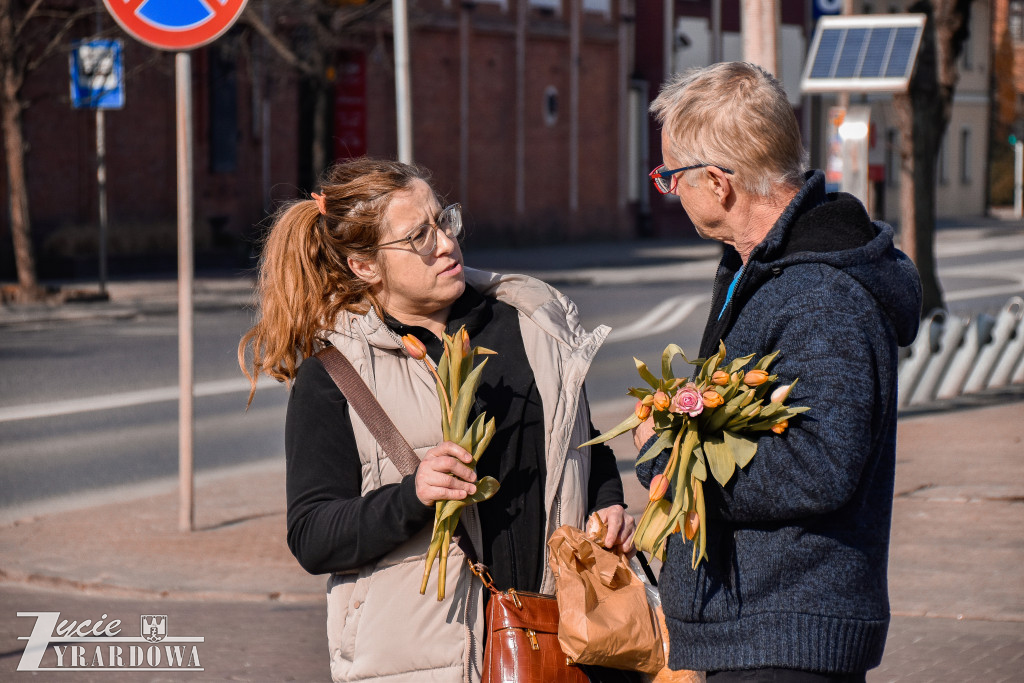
point(956, 566)
point(956, 563)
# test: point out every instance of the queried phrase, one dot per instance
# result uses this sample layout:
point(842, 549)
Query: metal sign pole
point(403, 89)
point(183, 102)
point(101, 183)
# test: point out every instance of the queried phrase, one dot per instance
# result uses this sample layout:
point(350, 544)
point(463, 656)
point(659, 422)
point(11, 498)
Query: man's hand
point(620, 528)
point(643, 432)
point(443, 474)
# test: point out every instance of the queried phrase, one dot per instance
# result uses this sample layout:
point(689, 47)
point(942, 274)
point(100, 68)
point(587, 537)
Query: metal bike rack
point(953, 356)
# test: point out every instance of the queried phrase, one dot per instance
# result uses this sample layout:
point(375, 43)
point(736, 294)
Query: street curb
point(56, 583)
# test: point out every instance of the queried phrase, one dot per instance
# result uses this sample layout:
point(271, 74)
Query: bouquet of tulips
point(711, 423)
point(457, 381)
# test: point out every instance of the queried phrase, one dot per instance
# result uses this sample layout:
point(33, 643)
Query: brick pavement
point(956, 567)
point(956, 563)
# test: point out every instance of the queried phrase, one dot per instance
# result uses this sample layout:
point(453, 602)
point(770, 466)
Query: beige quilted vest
point(378, 624)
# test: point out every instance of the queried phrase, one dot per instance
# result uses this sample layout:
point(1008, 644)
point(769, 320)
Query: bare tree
point(305, 35)
point(30, 33)
point(923, 114)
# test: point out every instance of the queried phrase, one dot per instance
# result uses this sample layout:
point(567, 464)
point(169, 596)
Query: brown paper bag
point(667, 675)
point(603, 615)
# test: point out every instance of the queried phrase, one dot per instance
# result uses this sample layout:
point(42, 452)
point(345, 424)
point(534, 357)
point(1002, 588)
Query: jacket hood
point(834, 229)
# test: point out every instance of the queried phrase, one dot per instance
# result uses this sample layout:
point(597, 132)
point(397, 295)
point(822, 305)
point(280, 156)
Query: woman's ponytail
point(304, 279)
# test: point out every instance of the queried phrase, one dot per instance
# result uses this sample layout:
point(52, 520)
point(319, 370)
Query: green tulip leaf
point(621, 428)
point(700, 540)
point(699, 469)
point(443, 369)
point(664, 441)
point(766, 361)
point(742, 447)
point(720, 458)
point(738, 363)
point(670, 352)
point(466, 396)
point(641, 367)
point(481, 444)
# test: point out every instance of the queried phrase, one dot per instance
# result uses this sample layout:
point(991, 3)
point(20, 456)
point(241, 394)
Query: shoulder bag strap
point(369, 410)
point(377, 421)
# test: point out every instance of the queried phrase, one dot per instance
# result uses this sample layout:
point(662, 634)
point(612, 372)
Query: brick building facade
point(517, 110)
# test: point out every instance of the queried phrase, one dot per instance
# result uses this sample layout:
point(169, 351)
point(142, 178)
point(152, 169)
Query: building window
point(223, 128)
point(550, 107)
point(1016, 21)
point(602, 6)
point(942, 163)
point(892, 157)
point(552, 5)
point(967, 54)
point(965, 156)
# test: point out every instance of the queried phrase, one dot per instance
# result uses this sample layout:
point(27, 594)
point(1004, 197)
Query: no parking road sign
point(181, 25)
point(175, 24)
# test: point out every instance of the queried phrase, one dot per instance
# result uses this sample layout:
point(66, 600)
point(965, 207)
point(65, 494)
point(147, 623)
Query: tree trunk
point(14, 153)
point(920, 137)
point(923, 114)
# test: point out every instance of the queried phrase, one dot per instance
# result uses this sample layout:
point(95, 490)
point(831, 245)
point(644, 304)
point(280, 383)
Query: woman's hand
point(620, 528)
point(443, 474)
point(642, 432)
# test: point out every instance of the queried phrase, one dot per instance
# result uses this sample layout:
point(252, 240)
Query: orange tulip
point(721, 378)
point(414, 347)
point(465, 341)
point(692, 524)
point(661, 400)
point(659, 487)
point(780, 427)
point(642, 410)
point(712, 399)
point(755, 378)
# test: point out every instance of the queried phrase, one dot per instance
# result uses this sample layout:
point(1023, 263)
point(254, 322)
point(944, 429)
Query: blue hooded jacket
point(798, 540)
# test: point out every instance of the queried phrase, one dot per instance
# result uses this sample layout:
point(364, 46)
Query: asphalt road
point(89, 406)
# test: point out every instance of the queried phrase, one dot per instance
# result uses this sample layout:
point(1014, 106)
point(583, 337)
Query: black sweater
point(332, 528)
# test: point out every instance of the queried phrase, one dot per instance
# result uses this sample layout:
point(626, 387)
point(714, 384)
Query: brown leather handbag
point(522, 638)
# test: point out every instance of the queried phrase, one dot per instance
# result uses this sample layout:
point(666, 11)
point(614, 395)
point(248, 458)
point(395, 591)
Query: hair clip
point(321, 202)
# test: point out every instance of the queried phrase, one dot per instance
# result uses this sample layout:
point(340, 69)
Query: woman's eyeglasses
point(661, 176)
point(423, 239)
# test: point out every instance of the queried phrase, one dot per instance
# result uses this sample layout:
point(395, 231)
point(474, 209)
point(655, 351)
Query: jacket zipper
point(470, 636)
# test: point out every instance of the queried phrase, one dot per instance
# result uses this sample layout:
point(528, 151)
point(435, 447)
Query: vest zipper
point(470, 636)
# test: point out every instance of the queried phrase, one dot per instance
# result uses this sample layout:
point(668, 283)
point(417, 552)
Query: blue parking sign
point(824, 8)
point(97, 74)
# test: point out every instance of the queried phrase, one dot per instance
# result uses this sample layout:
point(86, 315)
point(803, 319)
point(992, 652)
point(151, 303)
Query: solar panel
point(865, 53)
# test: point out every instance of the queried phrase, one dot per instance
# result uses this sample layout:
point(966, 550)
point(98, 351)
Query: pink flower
point(687, 400)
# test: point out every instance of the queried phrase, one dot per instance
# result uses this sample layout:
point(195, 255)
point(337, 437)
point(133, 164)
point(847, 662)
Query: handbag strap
point(380, 425)
point(369, 410)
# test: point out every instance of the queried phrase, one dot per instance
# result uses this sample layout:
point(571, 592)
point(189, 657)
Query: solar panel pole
point(843, 98)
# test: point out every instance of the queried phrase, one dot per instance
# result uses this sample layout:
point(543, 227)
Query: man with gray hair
point(794, 585)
